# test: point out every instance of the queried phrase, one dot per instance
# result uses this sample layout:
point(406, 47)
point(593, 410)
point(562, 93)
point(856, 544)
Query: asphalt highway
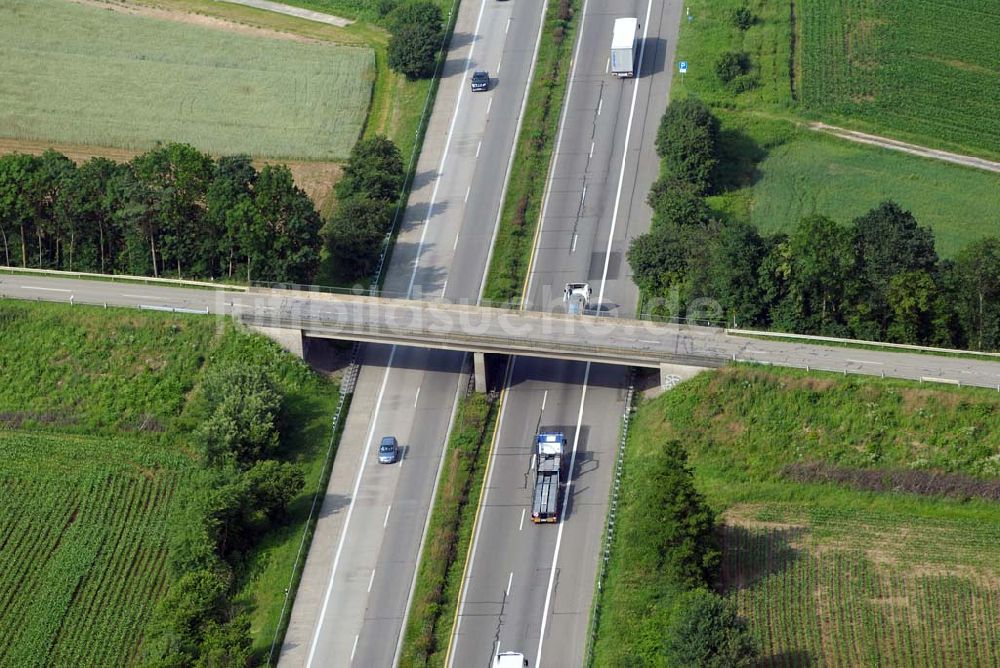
point(406, 392)
point(529, 587)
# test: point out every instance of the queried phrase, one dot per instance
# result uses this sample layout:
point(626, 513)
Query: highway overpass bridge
point(294, 317)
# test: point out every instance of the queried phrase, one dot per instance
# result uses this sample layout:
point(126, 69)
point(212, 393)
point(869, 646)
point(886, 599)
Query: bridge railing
point(121, 278)
point(362, 291)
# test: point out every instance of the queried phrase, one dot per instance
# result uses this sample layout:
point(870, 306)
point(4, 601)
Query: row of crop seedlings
point(837, 65)
point(31, 534)
point(835, 606)
point(107, 549)
point(62, 566)
point(961, 618)
point(132, 569)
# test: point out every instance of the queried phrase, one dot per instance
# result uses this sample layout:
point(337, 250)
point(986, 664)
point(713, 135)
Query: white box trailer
point(509, 660)
point(623, 47)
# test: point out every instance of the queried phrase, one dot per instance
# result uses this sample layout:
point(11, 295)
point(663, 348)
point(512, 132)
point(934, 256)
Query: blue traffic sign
point(683, 66)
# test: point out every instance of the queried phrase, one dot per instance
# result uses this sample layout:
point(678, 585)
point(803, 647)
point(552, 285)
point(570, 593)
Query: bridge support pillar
point(479, 369)
point(292, 340)
point(671, 374)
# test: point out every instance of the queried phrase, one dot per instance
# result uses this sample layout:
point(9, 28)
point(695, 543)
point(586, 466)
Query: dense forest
point(171, 211)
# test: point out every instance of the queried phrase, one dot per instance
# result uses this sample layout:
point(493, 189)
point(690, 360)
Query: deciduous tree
point(354, 236)
point(687, 142)
point(705, 631)
point(374, 169)
point(977, 293)
point(416, 38)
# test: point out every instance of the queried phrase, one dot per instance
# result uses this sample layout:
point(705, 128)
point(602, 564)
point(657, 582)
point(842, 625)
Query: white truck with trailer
point(509, 660)
point(623, 47)
point(549, 448)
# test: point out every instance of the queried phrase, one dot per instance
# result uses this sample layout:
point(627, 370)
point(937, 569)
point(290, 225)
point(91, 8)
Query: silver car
point(388, 450)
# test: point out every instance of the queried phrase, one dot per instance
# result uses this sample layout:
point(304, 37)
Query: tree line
point(877, 278)
point(677, 560)
point(368, 196)
point(171, 211)
point(242, 490)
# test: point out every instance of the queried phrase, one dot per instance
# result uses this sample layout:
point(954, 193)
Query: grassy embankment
point(777, 170)
point(533, 154)
point(449, 534)
point(95, 432)
point(824, 573)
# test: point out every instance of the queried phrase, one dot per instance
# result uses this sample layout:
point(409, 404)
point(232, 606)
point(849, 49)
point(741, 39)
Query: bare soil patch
point(192, 19)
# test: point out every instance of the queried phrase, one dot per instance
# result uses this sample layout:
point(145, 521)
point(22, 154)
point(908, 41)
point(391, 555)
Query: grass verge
point(776, 171)
point(824, 573)
point(533, 154)
point(280, 557)
point(449, 534)
point(96, 413)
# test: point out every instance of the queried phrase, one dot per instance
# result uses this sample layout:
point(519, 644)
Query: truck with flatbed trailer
point(549, 447)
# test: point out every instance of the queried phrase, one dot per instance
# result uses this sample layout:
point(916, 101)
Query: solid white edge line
point(510, 160)
point(392, 354)
point(586, 377)
point(479, 525)
point(562, 522)
point(427, 522)
point(350, 513)
point(444, 155)
point(621, 174)
point(36, 287)
point(555, 153)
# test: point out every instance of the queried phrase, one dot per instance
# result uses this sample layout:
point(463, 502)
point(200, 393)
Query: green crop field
point(928, 71)
point(774, 170)
point(80, 74)
point(824, 574)
point(802, 172)
point(96, 408)
point(840, 587)
point(83, 549)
